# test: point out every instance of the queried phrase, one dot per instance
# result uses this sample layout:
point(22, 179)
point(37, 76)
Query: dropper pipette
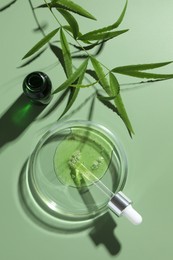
point(118, 203)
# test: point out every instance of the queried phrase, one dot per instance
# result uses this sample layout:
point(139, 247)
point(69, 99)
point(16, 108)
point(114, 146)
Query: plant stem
point(35, 17)
point(87, 53)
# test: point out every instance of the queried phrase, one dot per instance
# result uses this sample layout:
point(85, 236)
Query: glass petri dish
point(59, 190)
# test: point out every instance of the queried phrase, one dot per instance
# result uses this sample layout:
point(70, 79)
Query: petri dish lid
point(59, 190)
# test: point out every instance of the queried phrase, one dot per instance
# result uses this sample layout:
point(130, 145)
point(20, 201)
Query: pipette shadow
point(100, 229)
point(103, 233)
point(32, 209)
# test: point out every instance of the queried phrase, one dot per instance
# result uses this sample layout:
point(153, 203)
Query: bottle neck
point(37, 87)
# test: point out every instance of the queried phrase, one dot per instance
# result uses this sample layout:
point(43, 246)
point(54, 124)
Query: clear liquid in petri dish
point(55, 177)
point(86, 146)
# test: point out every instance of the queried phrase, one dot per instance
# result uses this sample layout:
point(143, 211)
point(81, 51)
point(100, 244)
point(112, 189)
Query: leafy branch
point(82, 44)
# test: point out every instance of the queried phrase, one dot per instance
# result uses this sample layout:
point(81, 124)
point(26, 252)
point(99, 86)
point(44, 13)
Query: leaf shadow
point(7, 5)
point(58, 53)
point(41, 27)
point(34, 57)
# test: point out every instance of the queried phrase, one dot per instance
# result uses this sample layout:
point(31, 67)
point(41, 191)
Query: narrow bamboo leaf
point(41, 43)
point(66, 54)
point(141, 66)
point(71, 21)
point(110, 27)
point(114, 85)
point(79, 71)
point(139, 74)
point(73, 95)
point(100, 36)
point(83, 86)
point(70, 6)
point(120, 19)
point(101, 75)
point(68, 28)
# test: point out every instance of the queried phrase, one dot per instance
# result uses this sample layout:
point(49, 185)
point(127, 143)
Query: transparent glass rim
point(59, 126)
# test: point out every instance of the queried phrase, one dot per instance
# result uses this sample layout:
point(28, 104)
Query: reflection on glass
point(54, 173)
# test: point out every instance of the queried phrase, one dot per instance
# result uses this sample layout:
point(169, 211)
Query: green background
point(149, 183)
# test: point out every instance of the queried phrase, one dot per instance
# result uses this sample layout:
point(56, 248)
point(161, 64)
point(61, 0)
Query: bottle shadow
point(100, 230)
point(23, 112)
point(17, 118)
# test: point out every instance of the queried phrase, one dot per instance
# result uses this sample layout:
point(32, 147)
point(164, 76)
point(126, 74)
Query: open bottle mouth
point(37, 87)
point(55, 181)
point(35, 82)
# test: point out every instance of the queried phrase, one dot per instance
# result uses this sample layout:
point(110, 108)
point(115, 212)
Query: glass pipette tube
point(119, 203)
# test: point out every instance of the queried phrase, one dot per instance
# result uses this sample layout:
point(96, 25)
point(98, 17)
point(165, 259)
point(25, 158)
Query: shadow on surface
point(37, 214)
point(17, 118)
point(7, 5)
point(100, 230)
point(103, 233)
point(102, 227)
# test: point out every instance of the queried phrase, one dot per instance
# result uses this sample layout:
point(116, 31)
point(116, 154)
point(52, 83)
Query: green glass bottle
point(37, 87)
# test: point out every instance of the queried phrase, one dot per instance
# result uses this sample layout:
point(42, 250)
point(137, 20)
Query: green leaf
point(34, 57)
point(70, 6)
point(41, 43)
point(141, 66)
point(114, 85)
point(139, 74)
point(78, 72)
point(83, 86)
point(73, 95)
point(110, 27)
point(137, 70)
point(101, 75)
point(112, 89)
point(71, 21)
point(100, 36)
point(120, 19)
point(66, 54)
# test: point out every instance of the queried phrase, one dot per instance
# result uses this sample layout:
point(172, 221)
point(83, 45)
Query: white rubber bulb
point(132, 215)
